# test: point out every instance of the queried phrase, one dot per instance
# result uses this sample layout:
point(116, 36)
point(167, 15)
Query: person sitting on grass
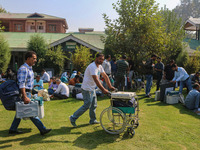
point(74, 80)
point(53, 86)
point(38, 85)
point(195, 78)
point(62, 91)
point(193, 98)
point(45, 76)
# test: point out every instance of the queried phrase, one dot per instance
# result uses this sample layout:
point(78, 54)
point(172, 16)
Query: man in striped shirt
point(25, 78)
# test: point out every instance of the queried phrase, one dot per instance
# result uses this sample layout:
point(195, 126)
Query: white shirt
point(62, 89)
point(88, 82)
point(180, 75)
point(106, 66)
point(45, 77)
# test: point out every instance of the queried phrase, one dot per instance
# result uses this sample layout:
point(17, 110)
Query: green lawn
point(162, 126)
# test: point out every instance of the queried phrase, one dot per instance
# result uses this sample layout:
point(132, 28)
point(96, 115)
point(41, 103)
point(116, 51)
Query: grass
point(161, 126)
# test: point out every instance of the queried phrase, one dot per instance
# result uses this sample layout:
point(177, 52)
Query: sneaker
point(72, 122)
point(95, 122)
point(45, 131)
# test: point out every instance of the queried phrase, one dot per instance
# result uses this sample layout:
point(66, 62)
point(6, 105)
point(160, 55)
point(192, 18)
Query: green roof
point(26, 15)
point(192, 43)
point(19, 40)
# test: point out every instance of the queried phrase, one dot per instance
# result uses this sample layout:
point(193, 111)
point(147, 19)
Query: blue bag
point(9, 94)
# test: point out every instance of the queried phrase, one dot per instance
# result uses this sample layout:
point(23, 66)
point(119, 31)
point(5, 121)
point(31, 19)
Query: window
point(40, 27)
point(32, 27)
point(18, 27)
point(52, 27)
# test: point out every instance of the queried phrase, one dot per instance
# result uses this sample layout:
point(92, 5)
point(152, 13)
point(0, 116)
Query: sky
point(78, 13)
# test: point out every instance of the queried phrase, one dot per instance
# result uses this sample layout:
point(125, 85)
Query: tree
point(5, 54)
point(2, 10)
point(141, 30)
point(138, 32)
point(174, 34)
point(38, 44)
point(55, 58)
point(187, 9)
point(192, 64)
point(81, 58)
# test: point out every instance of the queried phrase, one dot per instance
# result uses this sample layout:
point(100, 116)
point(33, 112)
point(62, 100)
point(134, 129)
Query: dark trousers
point(159, 78)
point(60, 96)
point(120, 82)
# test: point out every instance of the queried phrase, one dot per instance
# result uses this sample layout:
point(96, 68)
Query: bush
point(192, 63)
point(5, 54)
point(81, 58)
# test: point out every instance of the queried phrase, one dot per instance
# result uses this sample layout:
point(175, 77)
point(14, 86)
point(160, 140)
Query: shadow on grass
point(93, 139)
point(37, 138)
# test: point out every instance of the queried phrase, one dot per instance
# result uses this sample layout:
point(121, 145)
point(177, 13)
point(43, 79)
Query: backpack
point(76, 90)
point(9, 94)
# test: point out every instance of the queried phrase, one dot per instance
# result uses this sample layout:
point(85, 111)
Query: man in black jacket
point(149, 74)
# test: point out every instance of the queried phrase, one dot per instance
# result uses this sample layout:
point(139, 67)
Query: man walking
point(149, 74)
point(122, 68)
point(159, 67)
point(90, 81)
point(25, 78)
point(107, 68)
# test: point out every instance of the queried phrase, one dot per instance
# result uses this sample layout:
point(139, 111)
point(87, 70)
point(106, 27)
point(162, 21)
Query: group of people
point(91, 80)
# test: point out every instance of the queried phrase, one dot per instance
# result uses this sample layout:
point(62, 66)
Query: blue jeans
point(90, 102)
point(35, 120)
point(149, 83)
point(50, 91)
point(187, 83)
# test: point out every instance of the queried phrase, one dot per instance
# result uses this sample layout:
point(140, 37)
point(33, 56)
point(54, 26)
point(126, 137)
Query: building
point(18, 43)
point(26, 22)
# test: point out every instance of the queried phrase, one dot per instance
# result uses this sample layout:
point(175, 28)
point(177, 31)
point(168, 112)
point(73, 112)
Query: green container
point(39, 99)
point(172, 93)
point(126, 110)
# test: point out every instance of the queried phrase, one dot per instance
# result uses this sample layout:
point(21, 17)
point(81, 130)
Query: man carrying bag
point(25, 78)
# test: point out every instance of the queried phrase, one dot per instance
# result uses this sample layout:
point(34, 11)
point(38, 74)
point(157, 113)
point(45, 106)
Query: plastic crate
point(157, 96)
point(172, 99)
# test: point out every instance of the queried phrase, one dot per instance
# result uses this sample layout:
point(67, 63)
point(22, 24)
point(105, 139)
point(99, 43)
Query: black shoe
point(45, 131)
point(15, 132)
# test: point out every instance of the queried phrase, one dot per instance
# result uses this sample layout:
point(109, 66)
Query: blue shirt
point(161, 67)
point(113, 66)
point(40, 83)
point(25, 76)
point(180, 75)
point(192, 99)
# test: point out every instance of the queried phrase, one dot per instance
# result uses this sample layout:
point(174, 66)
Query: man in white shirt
point(107, 68)
point(90, 81)
point(62, 92)
point(182, 76)
point(45, 76)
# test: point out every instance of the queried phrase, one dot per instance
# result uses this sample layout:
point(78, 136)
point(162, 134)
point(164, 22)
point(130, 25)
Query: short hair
point(77, 76)
point(153, 55)
point(58, 80)
point(158, 57)
point(196, 85)
point(174, 65)
point(43, 70)
point(107, 56)
point(124, 56)
point(30, 54)
point(99, 55)
point(171, 61)
point(38, 76)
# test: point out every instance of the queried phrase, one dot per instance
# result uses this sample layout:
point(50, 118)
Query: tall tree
point(187, 9)
point(138, 31)
point(2, 10)
point(38, 44)
point(5, 54)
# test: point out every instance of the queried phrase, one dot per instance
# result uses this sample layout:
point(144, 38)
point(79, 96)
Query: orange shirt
point(73, 82)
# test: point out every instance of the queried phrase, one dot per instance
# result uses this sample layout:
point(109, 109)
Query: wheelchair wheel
point(113, 120)
point(131, 132)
